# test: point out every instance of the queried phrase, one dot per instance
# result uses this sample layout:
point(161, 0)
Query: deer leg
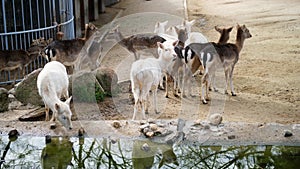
point(226, 80)
point(146, 103)
point(54, 114)
point(203, 85)
point(155, 101)
point(136, 56)
point(143, 102)
point(183, 83)
point(231, 82)
point(47, 113)
point(166, 87)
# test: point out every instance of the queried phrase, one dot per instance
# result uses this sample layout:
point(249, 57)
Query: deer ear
point(177, 29)
point(164, 23)
point(218, 29)
point(175, 43)
point(57, 107)
point(68, 101)
point(237, 25)
point(230, 29)
point(192, 22)
point(160, 45)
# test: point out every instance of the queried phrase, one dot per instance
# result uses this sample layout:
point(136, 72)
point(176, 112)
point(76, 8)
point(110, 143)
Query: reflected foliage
point(193, 156)
point(70, 153)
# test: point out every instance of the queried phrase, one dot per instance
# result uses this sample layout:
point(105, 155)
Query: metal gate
point(22, 21)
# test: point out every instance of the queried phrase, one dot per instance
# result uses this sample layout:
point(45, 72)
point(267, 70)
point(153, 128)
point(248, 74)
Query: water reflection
point(61, 153)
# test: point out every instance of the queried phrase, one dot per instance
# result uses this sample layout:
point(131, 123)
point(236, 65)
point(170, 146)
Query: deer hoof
point(157, 112)
point(233, 94)
point(204, 101)
point(166, 96)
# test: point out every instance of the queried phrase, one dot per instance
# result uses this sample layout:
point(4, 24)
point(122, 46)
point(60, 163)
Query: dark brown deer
point(214, 54)
point(138, 42)
point(67, 51)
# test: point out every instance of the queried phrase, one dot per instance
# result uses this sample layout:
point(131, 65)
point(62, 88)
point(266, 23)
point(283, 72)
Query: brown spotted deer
point(11, 60)
point(214, 55)
point(137, 43)
point(67, 51)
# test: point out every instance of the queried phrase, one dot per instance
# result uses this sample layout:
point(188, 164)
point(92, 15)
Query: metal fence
point(22, 21)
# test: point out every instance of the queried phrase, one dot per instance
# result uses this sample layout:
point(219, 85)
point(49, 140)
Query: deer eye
point(64, 117)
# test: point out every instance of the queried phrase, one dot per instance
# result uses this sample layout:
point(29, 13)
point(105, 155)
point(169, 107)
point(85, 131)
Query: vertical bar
point(50, 12)
point(54, 14)
point(4, 24)
point(38, 18)
point(15, 25)
point(31, 24)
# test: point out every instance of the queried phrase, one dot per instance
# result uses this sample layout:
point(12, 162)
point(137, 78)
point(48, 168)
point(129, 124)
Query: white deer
point(52, 84)
point(146, 74)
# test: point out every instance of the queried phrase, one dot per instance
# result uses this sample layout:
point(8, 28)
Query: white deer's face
point(64, 114)
point(166, 51)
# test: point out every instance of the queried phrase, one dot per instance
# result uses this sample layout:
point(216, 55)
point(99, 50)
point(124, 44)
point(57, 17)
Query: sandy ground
point(266, 78)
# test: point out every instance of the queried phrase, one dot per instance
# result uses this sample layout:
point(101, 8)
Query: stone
point(230, 137)
point(149, 134)
point(108, 79)
point(4, 101)
point(116, 124)
point(81, 132)
point(288, 133)
point(85, 88)
point(52, 126)
point(145, 147)
point(27, 92)
point(215, 119)
point(153, 127)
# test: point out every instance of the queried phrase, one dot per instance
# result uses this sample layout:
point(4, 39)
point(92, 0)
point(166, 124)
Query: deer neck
point(239, 40)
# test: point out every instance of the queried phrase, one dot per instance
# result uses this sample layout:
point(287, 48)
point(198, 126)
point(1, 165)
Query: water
point(34, 152)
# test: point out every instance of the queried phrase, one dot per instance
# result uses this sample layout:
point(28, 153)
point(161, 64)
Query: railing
point(22, 21)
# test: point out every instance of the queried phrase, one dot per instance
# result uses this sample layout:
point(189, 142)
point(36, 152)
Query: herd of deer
point(178, 54)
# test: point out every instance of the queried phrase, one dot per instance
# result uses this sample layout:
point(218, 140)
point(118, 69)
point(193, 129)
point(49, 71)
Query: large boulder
point(4, 101)
point(85, 87)
point(108, 79)
point(27, 92)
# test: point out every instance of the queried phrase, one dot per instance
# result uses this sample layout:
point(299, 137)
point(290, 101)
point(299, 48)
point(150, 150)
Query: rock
point(108, 79)
point(4, 101)
point(53, 126)
point(142, 127)
point(85, 88)
point(197, 122)
point(116, 124)
point(26, 91)
point(215, 119)
point(230, 137)
point(150, 120)
point(81, 132)
point(13, 135)
point(149, 134)
point(288, 133)
point(145, 147)
point(153, 127)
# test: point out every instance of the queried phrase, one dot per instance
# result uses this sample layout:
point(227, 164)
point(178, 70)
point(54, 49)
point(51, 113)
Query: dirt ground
point(266, 78)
